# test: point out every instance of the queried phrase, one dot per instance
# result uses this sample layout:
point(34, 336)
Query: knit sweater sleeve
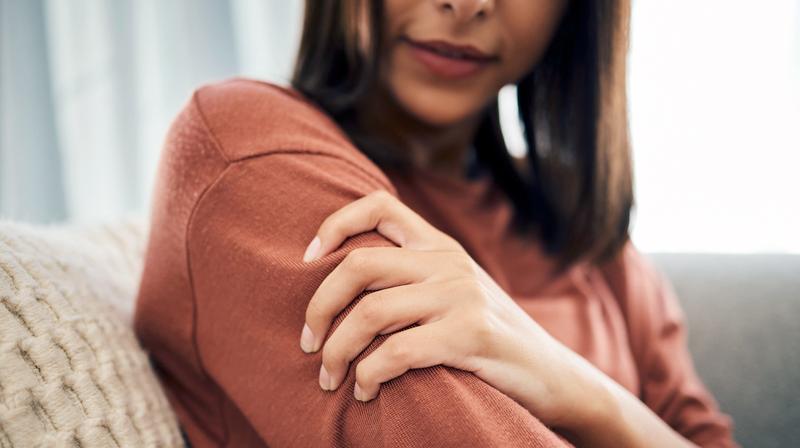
point(246, 241)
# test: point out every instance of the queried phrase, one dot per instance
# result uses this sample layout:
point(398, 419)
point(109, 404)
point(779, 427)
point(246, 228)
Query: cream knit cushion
point(71, 370)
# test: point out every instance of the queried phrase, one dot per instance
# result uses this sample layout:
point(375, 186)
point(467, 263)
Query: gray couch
point(744, 331)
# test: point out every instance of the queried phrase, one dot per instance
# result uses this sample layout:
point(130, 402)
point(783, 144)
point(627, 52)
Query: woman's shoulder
point(249, 118)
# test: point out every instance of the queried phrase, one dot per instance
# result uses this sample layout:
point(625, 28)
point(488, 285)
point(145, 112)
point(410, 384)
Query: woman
point(450, 295)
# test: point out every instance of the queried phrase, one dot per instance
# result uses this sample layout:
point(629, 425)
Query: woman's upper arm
point(246, 241)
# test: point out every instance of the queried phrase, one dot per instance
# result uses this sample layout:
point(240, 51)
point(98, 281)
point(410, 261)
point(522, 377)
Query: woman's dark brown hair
point(575, 188)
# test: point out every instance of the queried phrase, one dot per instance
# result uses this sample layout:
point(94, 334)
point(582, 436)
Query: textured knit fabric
point(71, 371)
point(248, 172)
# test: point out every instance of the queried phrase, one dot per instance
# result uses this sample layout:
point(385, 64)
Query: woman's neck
point(444, 149)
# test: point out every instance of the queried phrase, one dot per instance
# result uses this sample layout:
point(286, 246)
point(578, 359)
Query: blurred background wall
point(88, 89)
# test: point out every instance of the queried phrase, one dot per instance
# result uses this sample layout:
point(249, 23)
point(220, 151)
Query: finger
point(378, 313)
point(415, 348)
point(364, 268)
point(382, 211)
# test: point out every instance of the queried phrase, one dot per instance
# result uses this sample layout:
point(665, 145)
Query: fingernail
point(358, 393)
point(307, 339)
point(311, 250)
point(324, 378)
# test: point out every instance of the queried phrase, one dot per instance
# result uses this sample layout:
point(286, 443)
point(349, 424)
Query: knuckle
point(364, 376)
point(398, 352)
point(326, 225)
point(331, 226)
point(369, 308)
point(462, 263)
point(450, 243)
point(483, 326)
point(483, 331)
point(385, 202)
point(314, 311)
point(331, 356)
point(377, 211)
point(383, 195)
point(470, 290)
point(356, 259)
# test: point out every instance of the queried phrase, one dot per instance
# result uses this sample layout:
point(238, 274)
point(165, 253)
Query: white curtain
point(88, 89)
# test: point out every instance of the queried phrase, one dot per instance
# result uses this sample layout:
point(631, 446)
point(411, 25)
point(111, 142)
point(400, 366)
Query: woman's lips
point(449, 62)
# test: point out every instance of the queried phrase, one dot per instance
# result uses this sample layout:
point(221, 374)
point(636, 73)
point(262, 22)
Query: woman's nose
point(466, 10)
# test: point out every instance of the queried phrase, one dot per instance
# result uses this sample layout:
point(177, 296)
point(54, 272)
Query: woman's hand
point(466, 320)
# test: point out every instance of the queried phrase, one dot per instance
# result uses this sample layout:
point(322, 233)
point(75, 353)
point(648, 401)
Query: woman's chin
point(436, 103)
point(440, 115)
point(440, 119)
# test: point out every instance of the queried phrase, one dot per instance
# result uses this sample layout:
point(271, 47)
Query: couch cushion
point(71, 370)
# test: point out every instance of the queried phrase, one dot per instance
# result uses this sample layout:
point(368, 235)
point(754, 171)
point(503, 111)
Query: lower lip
point(447, 67)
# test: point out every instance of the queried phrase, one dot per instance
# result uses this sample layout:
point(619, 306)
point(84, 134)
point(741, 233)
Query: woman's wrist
point(589, 413)
point(591, 405)
point(605, 414)
point(599, 420)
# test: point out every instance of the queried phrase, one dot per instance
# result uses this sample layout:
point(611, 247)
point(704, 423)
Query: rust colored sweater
point(248, 172)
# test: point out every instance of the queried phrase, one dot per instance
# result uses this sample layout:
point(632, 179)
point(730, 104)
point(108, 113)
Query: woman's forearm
point(602, 413)
point(630, 423)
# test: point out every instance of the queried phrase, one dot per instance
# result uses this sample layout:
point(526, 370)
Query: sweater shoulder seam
point(312, 152)
point(204, 121)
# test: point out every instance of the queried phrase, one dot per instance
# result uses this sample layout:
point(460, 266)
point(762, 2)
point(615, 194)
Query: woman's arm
point(670, 386)
point(620, 419)
point(246, 242)
point(502, 345)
